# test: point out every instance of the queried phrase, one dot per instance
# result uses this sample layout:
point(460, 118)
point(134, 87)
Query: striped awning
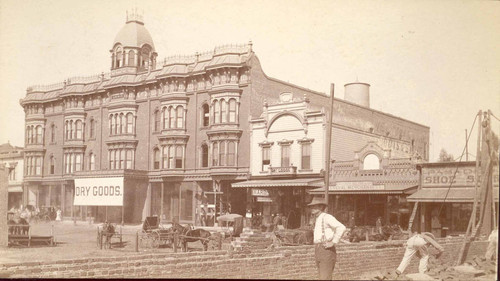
point(403, 189)
point(306, 182)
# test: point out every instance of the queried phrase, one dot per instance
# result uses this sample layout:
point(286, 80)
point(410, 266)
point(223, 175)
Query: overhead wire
point(456, 170)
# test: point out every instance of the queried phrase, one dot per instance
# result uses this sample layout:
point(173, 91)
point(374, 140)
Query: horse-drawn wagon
point(106, 233)
point(153, 234)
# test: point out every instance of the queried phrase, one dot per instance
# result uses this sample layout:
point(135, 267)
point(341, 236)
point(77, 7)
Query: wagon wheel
point(144, 241)
point(155, 240)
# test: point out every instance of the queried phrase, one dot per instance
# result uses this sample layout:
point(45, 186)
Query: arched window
point(92, 162)
point(156, 159)
point(71, 136)
point(112, 160)
point(128, 163)
point(66, 163)
point(27, 134)
point(38, 168)
point(52, 165)
point(232, 110)
point(178, 156)
point(115, 117)
point(53, 133)
point(217, 112)
point(71, 162)
point(157, 121)
point(180, 117)
point(122, 158)
point(78, 162)
point(215, 154)
point(117, 159)
point(371, 162)
point(204, 155)
point(111, 124)
point(205, 111)
point(224, 111)
point(39, 135)
point(222, 154)
point(119, 124)
point(171, 116)
point(92, 129)
point(165, 118)
point(231, 149)
point(171, 153)
point(165, 157)
point(145, 56)
point(130, 123)
point(79, 125)
point(118, 57)
point(131, 58)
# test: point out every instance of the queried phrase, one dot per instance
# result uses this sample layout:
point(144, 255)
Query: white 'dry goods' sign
point(99, 192)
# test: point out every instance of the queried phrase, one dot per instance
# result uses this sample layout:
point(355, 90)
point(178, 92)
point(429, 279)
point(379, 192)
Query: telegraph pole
point(329, 145)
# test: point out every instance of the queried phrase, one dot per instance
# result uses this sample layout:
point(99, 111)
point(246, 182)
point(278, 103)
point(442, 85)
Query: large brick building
point(174, 131)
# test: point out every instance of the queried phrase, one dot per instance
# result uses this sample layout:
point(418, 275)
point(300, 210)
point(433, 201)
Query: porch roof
point(304, 182)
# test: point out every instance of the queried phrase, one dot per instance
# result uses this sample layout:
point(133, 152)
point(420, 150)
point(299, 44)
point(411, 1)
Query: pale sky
point(434, 63)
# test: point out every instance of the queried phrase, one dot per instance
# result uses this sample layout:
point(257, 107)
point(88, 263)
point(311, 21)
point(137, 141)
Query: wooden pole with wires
point(466, 147)
point(329, 145)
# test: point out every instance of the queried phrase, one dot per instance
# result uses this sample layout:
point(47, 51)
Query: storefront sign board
point(464, 176)
point(259, 192)
point(99, 192)
point(264, 199)
point(357, 185)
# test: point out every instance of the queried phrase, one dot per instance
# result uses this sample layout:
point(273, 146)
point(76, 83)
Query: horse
point(199, 234)
point(108, 230)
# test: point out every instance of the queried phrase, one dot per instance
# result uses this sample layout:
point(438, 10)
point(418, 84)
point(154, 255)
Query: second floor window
point(92, 129)
point(92, 162)
point(204, 155)
point(306, 156)
point(52, 165)
point(156, 159)
point(53, 133)
point(157, 121)
point(266, 157)
point(285, 155)
point(205, 115)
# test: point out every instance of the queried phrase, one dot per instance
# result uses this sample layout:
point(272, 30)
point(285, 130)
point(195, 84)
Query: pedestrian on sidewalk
point(327, 233)
point(418, 244)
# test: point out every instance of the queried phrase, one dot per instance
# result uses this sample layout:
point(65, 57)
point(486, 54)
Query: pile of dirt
point(476, 269)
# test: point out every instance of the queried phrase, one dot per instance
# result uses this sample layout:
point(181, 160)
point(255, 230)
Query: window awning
point(381, 189)
point(440, 194)
point(15, 189)
point(305, 182)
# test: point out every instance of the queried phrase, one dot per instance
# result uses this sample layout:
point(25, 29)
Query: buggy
point(294, 237)
point(153, 234)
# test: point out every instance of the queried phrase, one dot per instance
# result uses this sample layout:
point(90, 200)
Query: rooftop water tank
point(358, 93)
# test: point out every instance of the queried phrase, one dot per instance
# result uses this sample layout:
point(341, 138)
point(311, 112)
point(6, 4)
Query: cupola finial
point(134, 15)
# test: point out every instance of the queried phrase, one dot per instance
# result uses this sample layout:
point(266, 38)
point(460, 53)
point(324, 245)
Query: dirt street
point(77, 241)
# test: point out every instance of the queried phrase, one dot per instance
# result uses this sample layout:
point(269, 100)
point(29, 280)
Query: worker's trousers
point(325, 261)
point(415, 245)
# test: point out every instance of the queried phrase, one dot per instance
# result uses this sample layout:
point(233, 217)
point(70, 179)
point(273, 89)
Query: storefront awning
point(15, 189)
point(380, 189)
point(440, 194)
point(306, 182)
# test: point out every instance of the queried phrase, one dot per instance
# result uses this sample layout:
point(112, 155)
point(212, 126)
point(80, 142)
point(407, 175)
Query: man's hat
point(317, 201)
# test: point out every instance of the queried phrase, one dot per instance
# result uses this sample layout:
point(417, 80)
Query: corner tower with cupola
point(133, 48)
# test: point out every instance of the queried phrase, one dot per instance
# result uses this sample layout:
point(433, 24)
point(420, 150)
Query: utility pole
point(466, 147)
point(329, 145)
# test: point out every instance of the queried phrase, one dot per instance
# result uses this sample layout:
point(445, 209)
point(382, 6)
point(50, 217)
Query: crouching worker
point(327, 233)
point(418, 244)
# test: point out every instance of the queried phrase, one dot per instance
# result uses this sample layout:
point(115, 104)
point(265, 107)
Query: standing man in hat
point(327, 233)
